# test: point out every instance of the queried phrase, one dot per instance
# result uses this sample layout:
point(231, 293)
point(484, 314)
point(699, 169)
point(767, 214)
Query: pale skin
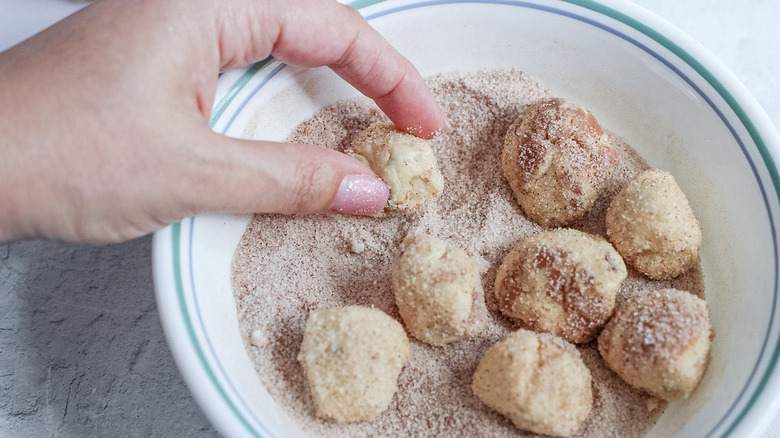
point(104, 117)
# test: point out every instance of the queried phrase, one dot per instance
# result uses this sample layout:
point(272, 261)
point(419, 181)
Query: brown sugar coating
point(556, 158)
point(437, 290)
point(352, 357)
point(659, 341)
point(287, 264)
point(538, 381)
point(653, 227)
point(562, 282)
point(405, 162)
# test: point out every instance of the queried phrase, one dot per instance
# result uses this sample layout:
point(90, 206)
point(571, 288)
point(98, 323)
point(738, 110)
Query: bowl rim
point(167, 242)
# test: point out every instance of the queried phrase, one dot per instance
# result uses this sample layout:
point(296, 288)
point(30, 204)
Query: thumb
point(268, 177)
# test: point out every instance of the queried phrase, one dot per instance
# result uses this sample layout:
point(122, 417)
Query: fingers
point(252, 176)
point(338, 37)
point(372, 66)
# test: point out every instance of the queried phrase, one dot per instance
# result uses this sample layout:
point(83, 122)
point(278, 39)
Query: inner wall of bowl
point(633, 94)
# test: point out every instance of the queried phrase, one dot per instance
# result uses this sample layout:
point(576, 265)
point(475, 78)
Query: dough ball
point(536, 380)
point(405, 162)
point(562, 282)
point(437, 290)
point(352, 357)
point(653, 227)
point(556, 159)
point(659, 341)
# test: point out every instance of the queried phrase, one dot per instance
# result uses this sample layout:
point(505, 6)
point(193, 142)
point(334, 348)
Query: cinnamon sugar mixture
point(286, 266)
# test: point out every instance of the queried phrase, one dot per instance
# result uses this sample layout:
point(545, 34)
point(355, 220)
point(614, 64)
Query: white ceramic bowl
point(644, 79)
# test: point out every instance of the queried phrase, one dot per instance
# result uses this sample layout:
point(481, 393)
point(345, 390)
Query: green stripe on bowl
point(234, 89)
point(360, 4)
point(176, 242)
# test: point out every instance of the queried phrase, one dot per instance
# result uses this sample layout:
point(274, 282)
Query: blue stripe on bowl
point(231, 393)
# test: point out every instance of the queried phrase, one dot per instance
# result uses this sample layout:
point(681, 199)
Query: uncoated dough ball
point(556, 158)
point(659, 341)
point(405, 162)
point(536, 380)
point(562, 282)
point(653, 226)
point(352, 357)
point(437, 290)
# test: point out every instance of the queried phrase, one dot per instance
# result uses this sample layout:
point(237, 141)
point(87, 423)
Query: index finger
point(337, 36)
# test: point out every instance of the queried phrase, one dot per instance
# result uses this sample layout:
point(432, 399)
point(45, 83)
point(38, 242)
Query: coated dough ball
point(437, 290)
point(556, 159)
point(653, 226)
point(352, 357)
point(659, 341)
point(405, 162)
point(562, 282)
point(536, 380)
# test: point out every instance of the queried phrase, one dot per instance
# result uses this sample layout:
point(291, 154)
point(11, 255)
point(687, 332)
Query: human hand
point(105, 117)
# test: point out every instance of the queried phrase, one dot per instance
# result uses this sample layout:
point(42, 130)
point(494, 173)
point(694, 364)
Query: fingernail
point(361, 194)
point(447, 126)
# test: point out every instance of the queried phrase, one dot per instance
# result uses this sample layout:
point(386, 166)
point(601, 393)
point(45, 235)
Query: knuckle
point(351, 15)
point(307, 196)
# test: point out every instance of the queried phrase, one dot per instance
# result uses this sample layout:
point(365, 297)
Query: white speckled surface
point(82, 352)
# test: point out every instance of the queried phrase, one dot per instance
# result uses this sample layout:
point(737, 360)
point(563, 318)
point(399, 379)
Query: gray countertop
point(82, 352)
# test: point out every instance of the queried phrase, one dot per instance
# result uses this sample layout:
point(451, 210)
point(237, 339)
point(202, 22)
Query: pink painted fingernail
point(361, 194)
